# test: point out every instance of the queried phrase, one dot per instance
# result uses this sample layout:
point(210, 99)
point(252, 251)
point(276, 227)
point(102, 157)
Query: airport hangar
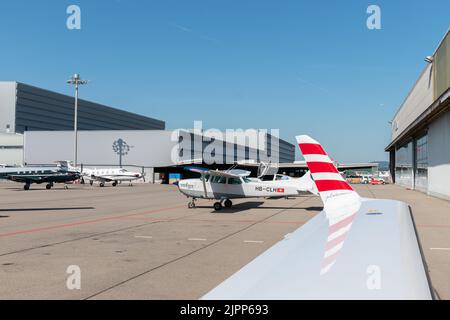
point(420, 133)
point(36, 128)
point(26, 108)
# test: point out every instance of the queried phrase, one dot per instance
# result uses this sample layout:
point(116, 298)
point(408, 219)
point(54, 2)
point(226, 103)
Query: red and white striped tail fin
point(341, 202)
point(327, 178)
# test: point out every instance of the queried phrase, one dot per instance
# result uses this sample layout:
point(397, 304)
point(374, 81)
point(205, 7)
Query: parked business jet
point(356, 248)
point(235, 184)
point(38, 175)
point(114, 175)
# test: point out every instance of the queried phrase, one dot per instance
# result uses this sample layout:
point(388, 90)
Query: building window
point(404, 165)
point(421, 165)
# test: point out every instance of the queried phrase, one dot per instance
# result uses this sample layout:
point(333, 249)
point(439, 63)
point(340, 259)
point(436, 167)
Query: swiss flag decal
point(280, 190)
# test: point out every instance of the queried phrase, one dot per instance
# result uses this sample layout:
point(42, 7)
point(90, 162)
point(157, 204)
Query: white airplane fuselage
point(197, 188)
point(110, 175)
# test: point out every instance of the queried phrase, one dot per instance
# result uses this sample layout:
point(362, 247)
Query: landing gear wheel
point(114, 184)
point(26, 187)
point(91, 182)
point(102, 184)
point(191, 204)
point(217, 206)
point(48, 186)
point(228, 203)
point(66, 187)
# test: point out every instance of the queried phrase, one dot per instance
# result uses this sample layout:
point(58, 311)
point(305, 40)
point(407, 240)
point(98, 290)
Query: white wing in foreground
point(355, 249)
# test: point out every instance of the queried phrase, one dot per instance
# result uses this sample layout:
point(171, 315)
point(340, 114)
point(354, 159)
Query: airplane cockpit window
point(234, 181)
point(246, 180)
point(215, 179)
point(281, 177)
point(218, 179)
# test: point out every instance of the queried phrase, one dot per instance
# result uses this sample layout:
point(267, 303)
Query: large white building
point(11, 149)
point(43, 120)
point(420, 144)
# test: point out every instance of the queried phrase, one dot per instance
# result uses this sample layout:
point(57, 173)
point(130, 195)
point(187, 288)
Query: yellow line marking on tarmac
point(144, 237)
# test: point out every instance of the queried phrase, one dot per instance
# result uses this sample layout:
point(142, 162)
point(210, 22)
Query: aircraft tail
point(332, 187)
point(306, 183)
point(66, 165)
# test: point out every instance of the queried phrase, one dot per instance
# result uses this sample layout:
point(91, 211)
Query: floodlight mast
point(76, 81)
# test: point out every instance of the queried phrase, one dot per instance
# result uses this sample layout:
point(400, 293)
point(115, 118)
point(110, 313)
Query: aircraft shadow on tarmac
point(239, 207)
point(318, 209)
point(44, 209)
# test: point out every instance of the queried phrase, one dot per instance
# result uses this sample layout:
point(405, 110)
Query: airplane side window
point(234, 181)
point(222, 180)
point(215, 179)
point(246, 180)
point(206, 177)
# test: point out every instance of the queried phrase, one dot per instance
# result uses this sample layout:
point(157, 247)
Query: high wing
point(226, 174)
point(355, 248)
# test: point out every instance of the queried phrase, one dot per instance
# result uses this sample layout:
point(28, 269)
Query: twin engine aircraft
point(235, 184)
point(356, 248)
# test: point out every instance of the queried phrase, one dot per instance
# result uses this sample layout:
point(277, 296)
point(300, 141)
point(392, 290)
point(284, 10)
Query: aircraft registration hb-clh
point(356, 248)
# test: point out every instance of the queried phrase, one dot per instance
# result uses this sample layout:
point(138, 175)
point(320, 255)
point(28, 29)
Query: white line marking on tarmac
point(144, 237)
point(253, 241)
point(197, 239)
point(444, 249)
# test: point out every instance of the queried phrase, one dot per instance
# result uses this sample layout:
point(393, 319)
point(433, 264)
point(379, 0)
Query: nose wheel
point(191, 204)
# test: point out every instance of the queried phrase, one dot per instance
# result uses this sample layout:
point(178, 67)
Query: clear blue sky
point(302, 66)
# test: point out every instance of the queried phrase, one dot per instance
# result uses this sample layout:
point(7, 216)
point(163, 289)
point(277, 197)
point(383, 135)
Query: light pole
point(76, 80)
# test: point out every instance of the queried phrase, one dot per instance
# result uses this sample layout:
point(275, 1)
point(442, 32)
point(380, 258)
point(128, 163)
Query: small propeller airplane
point(103, 175)
point(356, 248)
point(114, 175)
point(38, 175)
point(235, 184)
